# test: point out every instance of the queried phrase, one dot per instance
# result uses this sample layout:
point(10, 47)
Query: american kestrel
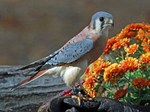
point(71, 60)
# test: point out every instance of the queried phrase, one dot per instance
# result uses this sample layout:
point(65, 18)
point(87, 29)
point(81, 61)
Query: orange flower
point(111, 73)
point(120, 93)
point(140, 83)
point(95, 68)
point(145, 58)
point(89, 85)
point(123, 42)
point(99, 65)
point(109, 44)
point(141, 36)
point(147, 27)
point(146, 46)
point(130, 34)
point(92, 94)
point(131, 49)
point(147, 35)
point(89, 82)
point(137, 26)
point(122, 34)
point(130, 64)
point(87, 71)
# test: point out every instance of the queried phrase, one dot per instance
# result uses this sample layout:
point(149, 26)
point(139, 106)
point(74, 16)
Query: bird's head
point(101, 23)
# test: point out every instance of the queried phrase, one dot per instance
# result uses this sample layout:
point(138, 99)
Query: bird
point(72, 59)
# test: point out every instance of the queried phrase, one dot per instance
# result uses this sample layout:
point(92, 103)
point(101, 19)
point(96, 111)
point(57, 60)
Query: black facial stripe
point(102, 24)
point(94, 25)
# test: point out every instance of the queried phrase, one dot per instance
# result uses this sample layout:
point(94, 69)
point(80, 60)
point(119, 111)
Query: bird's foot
point(77, 98)
point(79, 93)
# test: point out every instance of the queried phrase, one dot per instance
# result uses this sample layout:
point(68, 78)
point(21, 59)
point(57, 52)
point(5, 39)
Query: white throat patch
point(97, 27)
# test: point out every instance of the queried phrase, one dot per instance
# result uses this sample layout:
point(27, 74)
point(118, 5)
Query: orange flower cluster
point(91, 74)
point(133, 38)
point(140, 83)
point(142, 36)
point(145, 58)
point(123, 42)
point(146, 46)
point(140, 31)
point(109, 44)
point(115, 70)
point(98, 66)
point(129, 64)
point(111, 73)
point(89, 86)
point(120, 93)
point(131, 49)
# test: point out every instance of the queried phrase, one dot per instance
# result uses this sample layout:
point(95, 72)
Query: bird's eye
point(101, 18)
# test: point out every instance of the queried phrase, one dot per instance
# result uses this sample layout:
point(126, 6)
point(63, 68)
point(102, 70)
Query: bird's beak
point(109, 23)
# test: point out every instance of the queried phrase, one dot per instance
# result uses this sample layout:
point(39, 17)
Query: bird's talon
point(78, 99)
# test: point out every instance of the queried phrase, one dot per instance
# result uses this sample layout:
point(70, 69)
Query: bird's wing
point(71, 52)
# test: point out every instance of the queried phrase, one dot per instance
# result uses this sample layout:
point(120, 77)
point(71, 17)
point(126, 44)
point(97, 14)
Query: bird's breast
point(72, 73)
point(98, 48)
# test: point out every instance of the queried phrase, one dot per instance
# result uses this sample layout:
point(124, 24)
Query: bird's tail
point(30, 79)
point(37, 69)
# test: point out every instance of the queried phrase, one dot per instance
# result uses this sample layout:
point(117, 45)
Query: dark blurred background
point(32, 29)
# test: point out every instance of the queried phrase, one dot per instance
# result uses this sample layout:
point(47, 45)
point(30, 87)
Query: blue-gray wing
point(72, 52)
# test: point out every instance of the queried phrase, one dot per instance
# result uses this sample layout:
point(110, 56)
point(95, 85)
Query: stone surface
point(29, 97)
